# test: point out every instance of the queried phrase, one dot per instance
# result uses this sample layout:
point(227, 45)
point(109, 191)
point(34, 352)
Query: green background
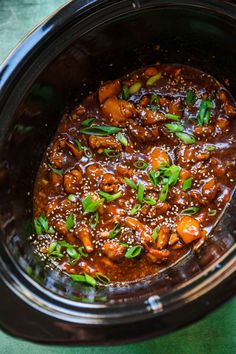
point(214, 334)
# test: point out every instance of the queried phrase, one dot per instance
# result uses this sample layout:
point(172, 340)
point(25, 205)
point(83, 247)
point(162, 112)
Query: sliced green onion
point(190, 97)
point(135, 88)
point(151, 81)
point(56, 252)
point(130, 183)
point(82, 251)
point(41, 224)
point(164, 193)
point(212, 212)
point(89, 205)
point(133, 251)
point(70, 221)
point(122, 139)
point(155, 233)
point(72, 197)
point(103, 279)
point(111, 153)
point(135, 209)
point(94, 220)
point(78, 144)
point(186, 138)
point(203, 116)
point(172, 116)
point(87, 122)
point(115, 231)
point(150, 201)
point(210, 147)
point(72, 253)
point(101, 130)
point(187, 184)
point(172, 173)
point(174, 127)
point(52, 247)
point(124, 244)
point(84, 278)
point(190, 211)
point(140, 193)
point(153, 176)
point(140, 165)
point(154, 99)
point(55, 170)
point(87, 152)
point(153, 107)
point(125, 92)
point(110, 197)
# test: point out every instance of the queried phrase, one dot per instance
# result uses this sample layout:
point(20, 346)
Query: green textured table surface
point(216, 334)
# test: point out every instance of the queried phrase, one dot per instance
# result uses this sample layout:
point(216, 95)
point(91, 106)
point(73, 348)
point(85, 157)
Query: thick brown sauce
point(209, 161)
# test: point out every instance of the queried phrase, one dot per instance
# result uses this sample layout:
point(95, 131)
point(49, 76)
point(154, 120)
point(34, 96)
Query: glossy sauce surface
point(137, 175)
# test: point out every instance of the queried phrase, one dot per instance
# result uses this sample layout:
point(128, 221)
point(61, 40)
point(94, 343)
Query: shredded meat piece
point(109, 183)
point(110, 88)
point(105, 142)
point(114, 251)
point(118, 112)
point(84, 235)
point(149, 116)
point(73, 181)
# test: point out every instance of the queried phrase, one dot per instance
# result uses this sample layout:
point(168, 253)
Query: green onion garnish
point(190, 211)
point(55, 170)
point(190, 97)
point(55, 250)
point(110, 197)
point(72, 253)
point(135, 209)
point(111, 153)
point(172, 173)
point(210, 147)
point(203, 116)
point(52, 247)
point(87, 122)
point(134, 251)
point(151, 81)
point(153, 176)
point(135, 88)
point(155, 233)
point(154, 99)
point(172, 116)
point(89, 205)
point(87, 152)
point(212, 212)
point(103, 279)
point(140, 193)
point(70, 221)
point(122, 139)
point(102, 130)
point(187, 184)
point(140, 165)
point(82, 251)
point(174, 127)
point(78, 144)
point(115, 231)
point(164, 193)
point(150, 201)
point(125, 92)
point(186, 138)
point(83, 278)
point(72, 197)
point(41, 225)
point(130, 183)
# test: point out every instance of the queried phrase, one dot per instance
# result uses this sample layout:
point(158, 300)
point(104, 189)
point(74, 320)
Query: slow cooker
point(64, 59)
